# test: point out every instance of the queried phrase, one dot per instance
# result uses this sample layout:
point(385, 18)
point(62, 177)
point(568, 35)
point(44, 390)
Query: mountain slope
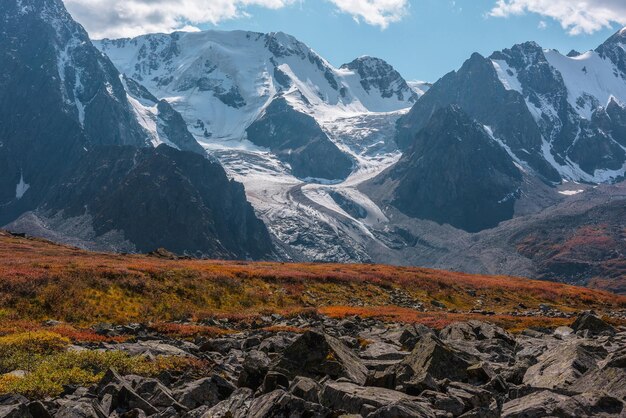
point(79, 156)
point(160, 287)
point(225, 82)
point(454, 173)
point(561, 115)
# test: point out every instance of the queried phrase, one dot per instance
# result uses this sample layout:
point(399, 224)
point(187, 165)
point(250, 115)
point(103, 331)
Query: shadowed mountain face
point(75, 143)
point(563, 116)
point(298, 140)
point(454, 173)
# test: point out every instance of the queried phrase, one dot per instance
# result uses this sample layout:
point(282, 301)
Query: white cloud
point(575, 16)
point(374, 12)
point(127, 18)
point(120, 18)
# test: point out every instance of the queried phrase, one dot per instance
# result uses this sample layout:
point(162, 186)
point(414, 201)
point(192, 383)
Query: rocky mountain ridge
point(79, 150)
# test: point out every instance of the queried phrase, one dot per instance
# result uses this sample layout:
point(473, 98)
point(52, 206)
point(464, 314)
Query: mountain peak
point(376, 72)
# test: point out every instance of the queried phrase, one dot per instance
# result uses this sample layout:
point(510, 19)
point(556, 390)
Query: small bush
point(85, 368)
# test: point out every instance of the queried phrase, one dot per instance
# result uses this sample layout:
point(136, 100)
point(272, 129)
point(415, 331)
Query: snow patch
point(21, 188)
point(507, 75)
point(591, 81)
point(570, 192)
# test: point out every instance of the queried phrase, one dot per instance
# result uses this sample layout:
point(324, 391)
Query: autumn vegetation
point(40, 280)
point(51, 296)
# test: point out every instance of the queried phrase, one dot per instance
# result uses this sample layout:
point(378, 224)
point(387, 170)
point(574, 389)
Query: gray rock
point(15, 411)
point(236, 406)
point(283, 404)
point(444, 401)
point(76, 410)
point(382, 351)
point(610, 378)
point(221, 345)
point(590, 322)
point(404, 409)
point(475, 331)
point(116, 392)
point(305, 388)
point(472, 396)
point(434, 357)
point(546, 403)
point(562, 366)
point(255, 367)
point(563, 332)
point(155, 393)
point(273, 381)
point(315, 354)
point(354, 399)
point(276, 343)
point(208, 391)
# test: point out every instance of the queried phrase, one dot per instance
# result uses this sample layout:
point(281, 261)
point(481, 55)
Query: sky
point(422, 39)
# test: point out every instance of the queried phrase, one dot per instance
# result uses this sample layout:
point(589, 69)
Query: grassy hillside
point(40, 280)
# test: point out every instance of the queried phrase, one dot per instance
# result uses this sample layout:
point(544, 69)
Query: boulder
point(444, 402)
point(354, 399)
point(404, 409)
point(273, 381)
point(236, 406)
point(610, 377)
point(382, 351)
point(283, 404)
point(563, 365)
point(588, 321)
point(435, 358)
point(306, 388)
point(472, 396)
point(155, 393)
point(221, 345)
point(116, 393)
point(80, 409)
point(255, 366)
point(546, 403)
point(208, 391)
point(475, 331)
point(316, 355)
point(38, 410)
point(15, 411)
point(276, 343)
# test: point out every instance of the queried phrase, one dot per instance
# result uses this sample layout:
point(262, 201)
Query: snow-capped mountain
point(562, 116)
point(82, 154)
point(222, 81)
point(281, 119)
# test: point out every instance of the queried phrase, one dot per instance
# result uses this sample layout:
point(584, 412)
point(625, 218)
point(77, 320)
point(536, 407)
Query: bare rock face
point(475, 331)
point(562, 366)
point(453, 173)
point(355, 399)
point(593, 324)
point(433, 357)
point(298, 140)
point(546, 403)
point(315, 355)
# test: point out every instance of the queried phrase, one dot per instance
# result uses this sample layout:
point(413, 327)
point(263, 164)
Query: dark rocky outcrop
point(315, 354)
point(72, 149)
point(432, 357)
point(298, 140)
point(453, 173)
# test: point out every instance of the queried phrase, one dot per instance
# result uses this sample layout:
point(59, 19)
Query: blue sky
point(434, 38)
point(423, 39)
